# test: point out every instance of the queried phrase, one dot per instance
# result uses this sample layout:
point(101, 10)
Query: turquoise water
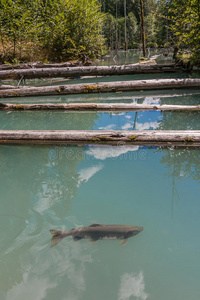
point(182, 96)
point(94, 79)
point(48, 120)
point(46, 188)
point(185, 96)
point(59, 187)
point(132, 56)
point(57, 120)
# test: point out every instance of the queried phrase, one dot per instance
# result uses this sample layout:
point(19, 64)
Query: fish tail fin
point(57, 236)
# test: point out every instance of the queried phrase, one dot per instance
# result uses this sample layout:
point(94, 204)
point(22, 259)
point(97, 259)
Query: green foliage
point(162, 23)
point(133, 23)
point(185, 26)
point(133, 35)
point(110, 30)
point(55, 30)
point(58, 29)
point(151, 30)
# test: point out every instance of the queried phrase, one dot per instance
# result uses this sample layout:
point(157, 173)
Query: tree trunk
point(87, 71)
point(119, 138)
point(125, 36)
point(116, 42)
point(102, 87)
point(99, 107)
point(142, 28)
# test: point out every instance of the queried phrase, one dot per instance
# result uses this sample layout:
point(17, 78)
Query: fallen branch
point(99, 107)
point(120, 138)
point(103, 87)
point(86, 71)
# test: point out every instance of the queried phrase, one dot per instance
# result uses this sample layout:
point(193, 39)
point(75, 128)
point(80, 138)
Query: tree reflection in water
point(180, 163)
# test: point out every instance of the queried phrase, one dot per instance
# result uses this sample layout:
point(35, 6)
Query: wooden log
point(7, 86)
point(86, 71)
point(120, 138)
point(99, 107)
point(103, 87)
point(39, 65)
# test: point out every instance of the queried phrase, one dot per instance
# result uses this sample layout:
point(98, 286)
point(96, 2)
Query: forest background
point(60, 30)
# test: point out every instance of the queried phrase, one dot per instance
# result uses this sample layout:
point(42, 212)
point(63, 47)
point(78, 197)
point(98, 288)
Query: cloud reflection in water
point(132, 286)
point(101, 152)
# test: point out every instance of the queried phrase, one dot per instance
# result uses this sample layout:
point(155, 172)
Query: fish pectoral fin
point(92, 240)
point(123, 242)
point(76, 238)
point(95, 225)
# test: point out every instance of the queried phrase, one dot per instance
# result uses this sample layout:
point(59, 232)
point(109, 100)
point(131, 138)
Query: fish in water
point(96, 232)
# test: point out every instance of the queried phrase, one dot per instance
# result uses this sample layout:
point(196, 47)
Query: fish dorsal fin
point(95, 225)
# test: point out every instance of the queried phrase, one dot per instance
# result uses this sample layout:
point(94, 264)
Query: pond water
point(57, 120)
point(132, 56)
point(62, 187)
point(48, 120)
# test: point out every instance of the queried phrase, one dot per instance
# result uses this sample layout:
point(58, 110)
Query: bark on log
point(99, 107)
point(86, 71)
point(120, 138)
point(6, 86)
point(39, 65)
point(103, 87)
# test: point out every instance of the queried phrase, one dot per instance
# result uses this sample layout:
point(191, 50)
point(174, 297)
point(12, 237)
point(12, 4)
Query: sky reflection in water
point(64, 187)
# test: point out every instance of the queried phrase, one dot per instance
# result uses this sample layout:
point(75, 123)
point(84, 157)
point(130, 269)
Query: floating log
point(39, 65)
point(103, 87)
point(99, 107)
point(86, 71)
point(6, 86)
point(120, 138)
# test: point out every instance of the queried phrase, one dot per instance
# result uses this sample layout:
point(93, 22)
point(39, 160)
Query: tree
point(56, 29)
point(132, 31)
point(109, 31)
point(142, 28)
point(162, 23)
point(151, 30)
point(185, 26)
